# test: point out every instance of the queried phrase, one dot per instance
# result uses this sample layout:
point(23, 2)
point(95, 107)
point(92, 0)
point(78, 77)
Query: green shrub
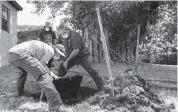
point(27, 35)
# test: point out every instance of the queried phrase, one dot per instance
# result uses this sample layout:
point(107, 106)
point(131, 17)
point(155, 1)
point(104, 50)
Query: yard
point(30, 101)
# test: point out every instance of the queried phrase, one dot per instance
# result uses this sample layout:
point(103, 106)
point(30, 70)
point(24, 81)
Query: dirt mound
point(132, 94)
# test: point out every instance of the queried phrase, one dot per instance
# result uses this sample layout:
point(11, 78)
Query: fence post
point(136, 55)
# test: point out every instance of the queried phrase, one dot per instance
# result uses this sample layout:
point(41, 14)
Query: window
point(5, 18)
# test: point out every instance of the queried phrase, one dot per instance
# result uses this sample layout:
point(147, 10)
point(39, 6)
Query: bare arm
point(48, 70)
point(72, 55)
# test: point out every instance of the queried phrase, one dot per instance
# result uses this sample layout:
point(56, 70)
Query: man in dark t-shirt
point(48, 36)
point(77, 53)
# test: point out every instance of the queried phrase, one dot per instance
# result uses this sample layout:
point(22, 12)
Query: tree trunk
point(123, 50)
point(91, 47)
point(95, 47)
point(130, 47)
point(131, 54)
point(87, 40)
point(100, 51)
point(83, 32)
point(94, 38)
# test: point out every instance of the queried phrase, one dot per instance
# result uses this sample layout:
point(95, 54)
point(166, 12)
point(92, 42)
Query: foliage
point(54, 7)
point(132, 94)
point(161, 38)
point(125, 13)
point(120, 20)
point(26, 35)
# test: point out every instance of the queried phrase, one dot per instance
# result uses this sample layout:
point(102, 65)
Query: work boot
point(21, 82)
point(19, 91)
point(100, 84)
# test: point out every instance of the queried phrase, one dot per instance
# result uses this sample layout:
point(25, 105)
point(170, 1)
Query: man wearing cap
point(32, 57)
point(48, 36)
point(76, 53)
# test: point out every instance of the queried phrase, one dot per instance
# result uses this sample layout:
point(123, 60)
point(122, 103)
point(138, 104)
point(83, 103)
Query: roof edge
point(15, 5)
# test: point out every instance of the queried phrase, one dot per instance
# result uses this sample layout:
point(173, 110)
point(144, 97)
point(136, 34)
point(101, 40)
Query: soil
point(132, 94)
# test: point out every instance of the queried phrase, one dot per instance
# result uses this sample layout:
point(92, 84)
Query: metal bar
point(103, 40)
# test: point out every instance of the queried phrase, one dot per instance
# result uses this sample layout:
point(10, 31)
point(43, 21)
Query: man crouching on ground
point(32, 57)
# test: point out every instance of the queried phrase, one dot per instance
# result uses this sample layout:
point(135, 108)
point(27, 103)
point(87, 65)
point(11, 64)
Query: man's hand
point(65, 64)
point(54, 76)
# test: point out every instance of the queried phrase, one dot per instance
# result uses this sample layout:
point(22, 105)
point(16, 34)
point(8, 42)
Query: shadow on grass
point(35, 96)
point(84, 92)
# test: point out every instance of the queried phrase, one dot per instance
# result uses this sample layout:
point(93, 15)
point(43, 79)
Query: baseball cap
point(57, 48)
point(47, 24)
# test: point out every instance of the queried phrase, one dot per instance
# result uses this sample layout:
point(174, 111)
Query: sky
point(25, 17)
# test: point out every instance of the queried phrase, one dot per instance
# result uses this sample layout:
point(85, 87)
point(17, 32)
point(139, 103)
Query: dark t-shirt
point(74, 41)
point(47, 36)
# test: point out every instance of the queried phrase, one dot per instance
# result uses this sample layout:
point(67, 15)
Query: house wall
point(7, 39)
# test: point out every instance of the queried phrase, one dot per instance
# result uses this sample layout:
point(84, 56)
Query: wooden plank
point(162, 85)
point(103, 40)
point(136, 56)
point(161, 80)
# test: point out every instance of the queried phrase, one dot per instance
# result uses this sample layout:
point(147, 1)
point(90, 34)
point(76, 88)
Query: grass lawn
point(8, 75)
